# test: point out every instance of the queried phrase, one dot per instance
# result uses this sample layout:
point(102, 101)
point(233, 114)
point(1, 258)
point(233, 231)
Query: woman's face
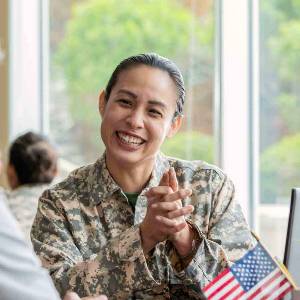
point(138, 115)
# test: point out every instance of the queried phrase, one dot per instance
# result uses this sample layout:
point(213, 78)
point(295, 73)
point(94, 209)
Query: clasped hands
point(165, 217)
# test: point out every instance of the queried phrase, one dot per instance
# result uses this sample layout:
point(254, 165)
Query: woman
point(137, 224)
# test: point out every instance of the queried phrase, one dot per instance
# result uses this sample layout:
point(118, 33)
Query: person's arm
point(228, 238)
point(21, 276)
point(119, 267)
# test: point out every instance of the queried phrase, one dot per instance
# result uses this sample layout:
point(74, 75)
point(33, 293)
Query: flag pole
point(280, 265)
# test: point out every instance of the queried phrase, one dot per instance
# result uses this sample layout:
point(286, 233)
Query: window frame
point(237, 62)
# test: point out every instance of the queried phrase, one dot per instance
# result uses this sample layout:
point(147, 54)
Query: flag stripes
point(254, 277)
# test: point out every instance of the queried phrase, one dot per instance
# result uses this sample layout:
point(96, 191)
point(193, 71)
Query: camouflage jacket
point(87, 234)
point(23, 203)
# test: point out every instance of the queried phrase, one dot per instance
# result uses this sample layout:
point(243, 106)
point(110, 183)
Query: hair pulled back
point(156, 61)
point(33, 158)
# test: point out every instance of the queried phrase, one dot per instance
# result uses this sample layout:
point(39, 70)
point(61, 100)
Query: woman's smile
point(129, 142)
point(129, 138)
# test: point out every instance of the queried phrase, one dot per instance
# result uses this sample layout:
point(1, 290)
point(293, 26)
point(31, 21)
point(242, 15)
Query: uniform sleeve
point(118, 268)
point(226, 240)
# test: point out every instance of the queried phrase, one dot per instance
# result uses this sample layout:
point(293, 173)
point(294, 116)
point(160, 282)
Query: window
point(279, 117)
point(87, 40)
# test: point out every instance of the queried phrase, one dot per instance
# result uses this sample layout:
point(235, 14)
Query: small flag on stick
point(254, 276)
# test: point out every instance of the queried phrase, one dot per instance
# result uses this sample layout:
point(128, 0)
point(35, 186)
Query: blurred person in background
point(32, 165)
point(21, 276)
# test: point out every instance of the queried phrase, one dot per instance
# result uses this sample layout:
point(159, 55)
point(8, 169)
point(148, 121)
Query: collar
point(101, 184)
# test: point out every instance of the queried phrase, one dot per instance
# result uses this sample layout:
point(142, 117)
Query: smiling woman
point(137, 224)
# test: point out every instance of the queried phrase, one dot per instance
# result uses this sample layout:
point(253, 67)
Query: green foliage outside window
point(280, 168)
point(190, 144)
point(101, 33)
point(280, 99)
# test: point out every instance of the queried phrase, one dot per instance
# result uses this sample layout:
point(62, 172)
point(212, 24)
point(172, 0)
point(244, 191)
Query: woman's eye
point(155, 113)
point(124, 102)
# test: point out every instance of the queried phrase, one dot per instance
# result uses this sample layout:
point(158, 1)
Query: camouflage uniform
point(23, 203)
point(87, 235)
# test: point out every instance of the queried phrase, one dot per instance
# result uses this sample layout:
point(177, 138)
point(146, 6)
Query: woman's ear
point(175, 126)
point(101, 103)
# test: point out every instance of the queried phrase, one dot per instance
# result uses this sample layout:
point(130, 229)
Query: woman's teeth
point(130, 139)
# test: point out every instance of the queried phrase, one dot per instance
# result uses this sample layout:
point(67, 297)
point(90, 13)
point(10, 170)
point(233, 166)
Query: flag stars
point(253, 268)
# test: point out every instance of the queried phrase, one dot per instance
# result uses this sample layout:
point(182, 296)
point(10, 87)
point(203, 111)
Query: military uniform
point(23, 203)
point(87, 234)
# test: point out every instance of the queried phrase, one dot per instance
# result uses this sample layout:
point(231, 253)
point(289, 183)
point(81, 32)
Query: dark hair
point(156, 61)
point(33, 158)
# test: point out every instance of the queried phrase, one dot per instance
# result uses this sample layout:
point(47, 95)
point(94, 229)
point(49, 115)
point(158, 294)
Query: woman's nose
point(135, 119)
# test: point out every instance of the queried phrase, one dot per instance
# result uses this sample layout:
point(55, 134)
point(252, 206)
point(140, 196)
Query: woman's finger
point(173, 183)
point(165, 179)
point(181, 212)
point(165, 207)
point(179, 195)
point(171, 224)
point(158, 191)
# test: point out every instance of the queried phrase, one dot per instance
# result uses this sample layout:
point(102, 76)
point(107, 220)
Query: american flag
point(254, 276)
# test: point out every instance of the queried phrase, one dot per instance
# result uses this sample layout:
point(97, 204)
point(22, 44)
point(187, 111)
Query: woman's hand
point(183, 239)
point(165, 215)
